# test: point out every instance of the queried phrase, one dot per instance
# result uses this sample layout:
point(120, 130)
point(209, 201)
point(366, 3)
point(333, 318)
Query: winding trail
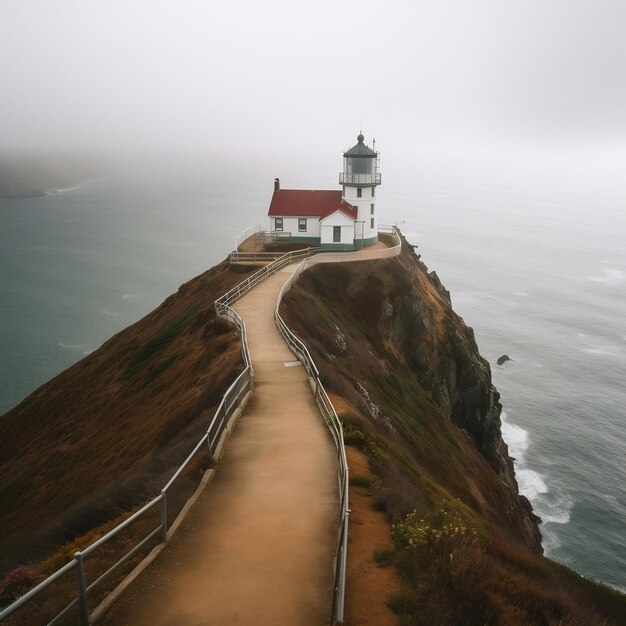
point(258, 545)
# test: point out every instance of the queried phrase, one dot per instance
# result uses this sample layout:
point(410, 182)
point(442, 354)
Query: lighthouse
point(342, 220)
point(359, 179)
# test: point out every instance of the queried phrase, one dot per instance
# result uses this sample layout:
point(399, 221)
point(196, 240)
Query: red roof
point(345, 208)
point(309, 203)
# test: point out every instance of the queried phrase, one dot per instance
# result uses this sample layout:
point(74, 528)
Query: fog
point(270, 80)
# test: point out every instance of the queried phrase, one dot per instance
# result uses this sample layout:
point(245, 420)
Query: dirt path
point(258, 546)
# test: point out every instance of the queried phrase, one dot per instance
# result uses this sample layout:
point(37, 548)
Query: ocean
point(532, 253)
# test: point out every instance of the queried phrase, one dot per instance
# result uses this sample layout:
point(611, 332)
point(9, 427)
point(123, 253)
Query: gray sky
point(259, 77)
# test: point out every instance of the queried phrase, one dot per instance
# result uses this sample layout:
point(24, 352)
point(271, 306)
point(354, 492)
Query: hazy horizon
point(277, 80)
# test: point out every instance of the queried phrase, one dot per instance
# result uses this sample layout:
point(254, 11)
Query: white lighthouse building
point(334, 220)
point(359, 178)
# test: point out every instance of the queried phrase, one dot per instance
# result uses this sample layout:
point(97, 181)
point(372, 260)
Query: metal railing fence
point(230, 403)
point(244, 234)
point(241, 288)
point(326, 406)
point(359, 179)
point(332, 421)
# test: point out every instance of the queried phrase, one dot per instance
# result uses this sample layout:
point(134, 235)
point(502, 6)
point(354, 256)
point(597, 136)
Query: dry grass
point(104, 436)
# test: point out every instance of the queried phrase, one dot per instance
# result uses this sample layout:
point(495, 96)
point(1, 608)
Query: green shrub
point(352, 436)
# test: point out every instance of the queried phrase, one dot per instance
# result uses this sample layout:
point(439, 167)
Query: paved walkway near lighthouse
point(258, 545)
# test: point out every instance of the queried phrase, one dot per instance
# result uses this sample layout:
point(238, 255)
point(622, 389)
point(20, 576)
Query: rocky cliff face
point(409, 368)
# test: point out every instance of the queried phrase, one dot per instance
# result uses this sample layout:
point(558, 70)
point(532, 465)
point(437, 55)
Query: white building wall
point(365, 228)
point(341, 220)
point(290, 225)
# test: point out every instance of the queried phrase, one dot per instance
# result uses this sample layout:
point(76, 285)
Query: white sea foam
point(521, 294)
point(129, 296)
point(81, 348)
point(531, 483)
point(68, 189)
point(549, 540)
point(54, 192)
point(71, 346)
point(516, 438)
point(551, 502)
point(554, 507)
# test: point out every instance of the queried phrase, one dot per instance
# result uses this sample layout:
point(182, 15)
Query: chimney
point(276, 184)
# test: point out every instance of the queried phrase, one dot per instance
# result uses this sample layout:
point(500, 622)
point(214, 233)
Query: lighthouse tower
point(359, 178)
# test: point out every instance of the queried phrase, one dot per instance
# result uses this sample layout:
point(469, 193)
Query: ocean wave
point(71, 346)
point(549, 540)
point(54, 192)
point(555, 506)
point(551, 502)
point(531, 483)
point(516, 438)
point(82, 348)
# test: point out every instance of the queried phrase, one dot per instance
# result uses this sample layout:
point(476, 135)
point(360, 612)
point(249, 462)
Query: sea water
point(534, 261)
point(536, 264)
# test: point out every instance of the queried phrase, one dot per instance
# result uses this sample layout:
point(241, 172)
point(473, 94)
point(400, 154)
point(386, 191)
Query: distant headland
point(35, 175)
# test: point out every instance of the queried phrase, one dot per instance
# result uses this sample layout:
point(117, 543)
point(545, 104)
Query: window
point(373, 189)
point(302, 224)
point(372, 223)
point(278, 223)
point(371, 209)
point(336, 234)
point(359, 192)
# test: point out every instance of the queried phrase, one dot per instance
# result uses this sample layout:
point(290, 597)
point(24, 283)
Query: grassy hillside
point(105, 435)
point(415, 396)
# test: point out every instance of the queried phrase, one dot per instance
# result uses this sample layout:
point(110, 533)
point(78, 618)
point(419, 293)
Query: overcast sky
point(257, 77)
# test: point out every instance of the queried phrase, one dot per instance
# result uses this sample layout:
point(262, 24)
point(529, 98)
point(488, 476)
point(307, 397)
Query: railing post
point(163, 515)
point(82, 589)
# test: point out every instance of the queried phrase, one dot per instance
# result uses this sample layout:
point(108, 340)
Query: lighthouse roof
point(360, 149)
point(309, 203)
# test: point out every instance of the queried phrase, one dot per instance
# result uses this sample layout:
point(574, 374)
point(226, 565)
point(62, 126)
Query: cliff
point(407, 379)
point(106, 434)
point(399, 355)
point(416, 398)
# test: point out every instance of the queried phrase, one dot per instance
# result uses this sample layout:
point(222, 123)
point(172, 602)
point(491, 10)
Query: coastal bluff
point(416, 400)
